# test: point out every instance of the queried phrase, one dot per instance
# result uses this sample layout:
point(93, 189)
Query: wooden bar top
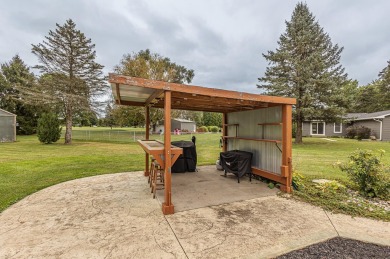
point(156, 149)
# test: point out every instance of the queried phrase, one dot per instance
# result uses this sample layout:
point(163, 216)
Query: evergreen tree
point(72, 78)
point(153, 66)
point(306, 66)
point(384, 87)
point(15, 76)
point(49, 129)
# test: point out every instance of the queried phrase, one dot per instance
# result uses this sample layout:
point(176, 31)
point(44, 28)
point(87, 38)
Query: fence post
point(134, 135)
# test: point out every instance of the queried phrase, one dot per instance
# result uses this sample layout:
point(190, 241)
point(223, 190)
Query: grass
point(316, 156)
point(27, 166)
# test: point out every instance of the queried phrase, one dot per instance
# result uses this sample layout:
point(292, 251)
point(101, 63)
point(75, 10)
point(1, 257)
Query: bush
point(48, 129)
point(350, 132)
point(213, 128)
point(363, 132)
point(203, 129)
point(360, 132)
point(367, 172)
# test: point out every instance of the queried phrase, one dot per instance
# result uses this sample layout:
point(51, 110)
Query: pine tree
point(72, 78)
point(49, 129)
point(306, 66)
point(384, 87)
point(15, 76)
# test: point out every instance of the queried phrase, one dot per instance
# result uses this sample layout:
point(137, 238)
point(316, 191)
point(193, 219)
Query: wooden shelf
point(253, 139)
point(271, 124)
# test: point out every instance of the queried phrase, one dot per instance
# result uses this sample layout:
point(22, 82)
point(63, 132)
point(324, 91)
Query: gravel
point(340, 248)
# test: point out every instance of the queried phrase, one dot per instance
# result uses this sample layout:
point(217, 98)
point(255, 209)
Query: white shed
point(7, 126)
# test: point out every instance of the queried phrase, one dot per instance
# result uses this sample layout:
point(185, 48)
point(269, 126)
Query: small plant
point(298, 181)
point(203, 129)
point(332, 187)
point(213, 128)
point(48, 129)
point(367, 172)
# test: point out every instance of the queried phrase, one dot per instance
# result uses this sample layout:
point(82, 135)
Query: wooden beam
point(270, 175)
point(224, 132)
point(167, 206)
point(191, 89)
point(147, 133)
point(286, 168)
point(118, 94)
point(153, 96)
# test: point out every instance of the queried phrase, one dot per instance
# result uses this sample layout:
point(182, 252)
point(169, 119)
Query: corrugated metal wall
point(266, 155)
point(7, 128)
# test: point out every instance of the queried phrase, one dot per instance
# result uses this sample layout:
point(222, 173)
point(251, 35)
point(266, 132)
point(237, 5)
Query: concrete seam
point(332, 223)
point(176, 237)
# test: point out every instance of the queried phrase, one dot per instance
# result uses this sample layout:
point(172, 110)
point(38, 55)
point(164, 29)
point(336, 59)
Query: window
point(318, 128)
point(338, 128)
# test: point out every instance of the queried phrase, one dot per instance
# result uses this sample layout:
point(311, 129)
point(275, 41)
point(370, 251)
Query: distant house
point(378, 122)
point(7, 126)
point(181, 124)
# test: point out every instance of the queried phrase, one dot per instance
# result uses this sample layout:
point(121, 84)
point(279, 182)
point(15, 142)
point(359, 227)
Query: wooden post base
point(285, 188)
point(146, 173)
point(168, 209)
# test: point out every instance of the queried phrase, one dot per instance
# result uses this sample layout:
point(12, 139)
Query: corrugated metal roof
point(183, 120)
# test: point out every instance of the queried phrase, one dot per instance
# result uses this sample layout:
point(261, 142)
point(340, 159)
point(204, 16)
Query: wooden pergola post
point(286, 168)
point(224, 131)
point(147, 133)
point(167, 206)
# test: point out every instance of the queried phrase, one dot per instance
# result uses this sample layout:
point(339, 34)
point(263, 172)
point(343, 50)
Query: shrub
point(298, 181)
point(203, 129)
point(367, 172)
point(48, 129)
point(363, 132)
point(360, 132)
point(213, 128)
point(350, 132)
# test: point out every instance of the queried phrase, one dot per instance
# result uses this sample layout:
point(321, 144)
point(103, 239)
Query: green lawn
point(316, 156)
point(27, 166)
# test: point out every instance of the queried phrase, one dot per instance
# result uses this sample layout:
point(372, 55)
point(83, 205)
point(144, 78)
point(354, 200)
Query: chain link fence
point(113, 135)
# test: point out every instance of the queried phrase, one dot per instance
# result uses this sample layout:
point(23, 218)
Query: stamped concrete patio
point(114, 216)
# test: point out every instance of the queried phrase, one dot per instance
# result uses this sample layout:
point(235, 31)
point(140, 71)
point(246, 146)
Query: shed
point(257, 123)
point(181, 124)
point(7, 126)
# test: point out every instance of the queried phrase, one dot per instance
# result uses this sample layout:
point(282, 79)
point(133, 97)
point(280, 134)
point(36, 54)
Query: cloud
point(221, 40)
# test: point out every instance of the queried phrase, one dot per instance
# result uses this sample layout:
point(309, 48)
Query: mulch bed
point(340, 248)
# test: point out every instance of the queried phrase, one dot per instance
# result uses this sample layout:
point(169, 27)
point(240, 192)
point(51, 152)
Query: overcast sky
point(222, 41)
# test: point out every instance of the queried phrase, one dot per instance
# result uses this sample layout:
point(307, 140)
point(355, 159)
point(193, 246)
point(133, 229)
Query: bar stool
point(151, 171)
point(157, 178)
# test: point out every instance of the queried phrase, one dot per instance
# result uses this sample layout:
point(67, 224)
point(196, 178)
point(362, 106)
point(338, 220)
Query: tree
point(212, 119)
point(306, 66)
point(72, 79)
point(384, 86)
point(49, 128)
point(14, 76)
point(153, 66)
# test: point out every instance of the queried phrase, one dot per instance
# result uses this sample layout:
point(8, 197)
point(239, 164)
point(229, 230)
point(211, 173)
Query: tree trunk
point(298, 134)
point(69, 122)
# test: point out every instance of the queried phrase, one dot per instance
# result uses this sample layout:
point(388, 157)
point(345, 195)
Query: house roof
point(142, 92)
point(367, 116)
point(183, 120)
point(5, 113)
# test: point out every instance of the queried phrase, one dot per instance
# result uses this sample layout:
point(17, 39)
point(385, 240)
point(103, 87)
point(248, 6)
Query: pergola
point(233, 105)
